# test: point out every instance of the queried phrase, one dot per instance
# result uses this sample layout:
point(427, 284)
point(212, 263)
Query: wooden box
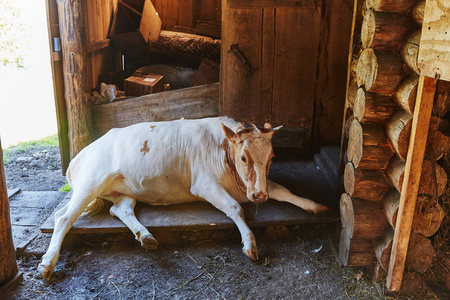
point(143, 85)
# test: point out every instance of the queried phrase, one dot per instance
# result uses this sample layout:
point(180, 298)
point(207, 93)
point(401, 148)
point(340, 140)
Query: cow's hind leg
point(123, 208)
point(282, 194)
point(64, 220)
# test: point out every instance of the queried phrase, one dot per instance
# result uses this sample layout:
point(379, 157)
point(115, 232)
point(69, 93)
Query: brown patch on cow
point(152, 128)
point(225, 144)
point(145, 148)
point(269, 163)
point(251, 179)
point(229, 160)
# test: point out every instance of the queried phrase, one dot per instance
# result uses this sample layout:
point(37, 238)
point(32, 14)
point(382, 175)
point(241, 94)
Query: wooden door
point(280, 40)
point(58, 84)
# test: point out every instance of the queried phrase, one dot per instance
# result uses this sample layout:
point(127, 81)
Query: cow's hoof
point(323, 210)
point(149, 242)
point(46, 272)
point(252, 253)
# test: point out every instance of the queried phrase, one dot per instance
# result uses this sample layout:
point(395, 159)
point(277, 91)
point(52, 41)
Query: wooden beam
point(308, 4)
point(8, 264)
point(130, 8)
point(190, 103)
point(74, 48)
point(410, 188)
point(97, 45)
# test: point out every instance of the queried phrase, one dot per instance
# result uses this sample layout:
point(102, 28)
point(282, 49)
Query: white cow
point(215, 160)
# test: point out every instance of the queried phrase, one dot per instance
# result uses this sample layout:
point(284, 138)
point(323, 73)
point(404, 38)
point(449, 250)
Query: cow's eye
point(243, 159)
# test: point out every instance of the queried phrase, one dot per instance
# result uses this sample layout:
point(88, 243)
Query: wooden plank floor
point(301, 177)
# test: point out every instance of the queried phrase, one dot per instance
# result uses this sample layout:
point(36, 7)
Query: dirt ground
point(298, 263)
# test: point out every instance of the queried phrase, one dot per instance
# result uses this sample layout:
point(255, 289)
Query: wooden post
point(74, 48)
point(8, 264)
point(413, 169)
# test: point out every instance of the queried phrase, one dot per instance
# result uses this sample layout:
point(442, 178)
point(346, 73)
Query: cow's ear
point(231, 136)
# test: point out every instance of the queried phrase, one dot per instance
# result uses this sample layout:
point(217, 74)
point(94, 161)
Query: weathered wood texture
point(150, 23)
point(372, 107)
point(418, 11)
point(383, 247)
point(398, 130)
point(428, 214)
point(410, 51)
point(368, 147)
point(399, 6)
point(434, 52)
point(418, 140)
point(379, 71)
point(420, 253)
point(406, 94)
point(354, 252)
point(8, 264)
point(58, 87)
point(362, 219)
point(332, 71)
point(432, 181)
point(184, 48)
point(365, 184)
point(281, 88)
point(188, 216)
point(74, 48)
point(384, 30)
point(308, 4)
point(191, 103)
point(98, 19)
point(352, 93)
point(442, 100)
point(412, 283)
point(186, 12)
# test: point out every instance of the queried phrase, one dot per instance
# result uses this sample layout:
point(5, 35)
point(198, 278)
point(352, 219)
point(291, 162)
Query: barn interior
point(282, 63)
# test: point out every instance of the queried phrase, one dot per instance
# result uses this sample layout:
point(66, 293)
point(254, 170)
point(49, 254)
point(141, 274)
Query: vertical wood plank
point(296, 50)
point(185, 17)
point(240, 93)
point(410, 187)
point(332, 71)
point(267, 65)
point(58, 87)
point(8, 264)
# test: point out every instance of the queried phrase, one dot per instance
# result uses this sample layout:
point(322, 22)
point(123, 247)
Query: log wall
point(384, 97)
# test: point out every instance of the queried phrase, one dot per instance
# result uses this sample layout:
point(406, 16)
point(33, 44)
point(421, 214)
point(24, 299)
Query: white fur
point(164, 163)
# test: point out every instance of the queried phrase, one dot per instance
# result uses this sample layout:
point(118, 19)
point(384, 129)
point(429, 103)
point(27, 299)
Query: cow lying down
point(215, 160)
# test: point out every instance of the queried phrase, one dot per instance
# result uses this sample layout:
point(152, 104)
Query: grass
point(65, 188)
point(47, 142)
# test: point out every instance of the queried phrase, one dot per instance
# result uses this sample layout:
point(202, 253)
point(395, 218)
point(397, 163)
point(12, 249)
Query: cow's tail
point(94, 207)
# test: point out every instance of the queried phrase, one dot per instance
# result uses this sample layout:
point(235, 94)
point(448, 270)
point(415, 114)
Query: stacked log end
point(382, 97)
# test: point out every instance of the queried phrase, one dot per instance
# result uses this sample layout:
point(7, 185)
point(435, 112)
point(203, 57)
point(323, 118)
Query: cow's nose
point(260, 197)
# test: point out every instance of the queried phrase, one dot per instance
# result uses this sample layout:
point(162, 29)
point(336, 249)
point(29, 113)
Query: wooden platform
point(303, 178)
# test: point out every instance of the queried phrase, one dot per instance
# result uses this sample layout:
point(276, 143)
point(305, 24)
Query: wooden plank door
point(58, 85)
point(280, 40)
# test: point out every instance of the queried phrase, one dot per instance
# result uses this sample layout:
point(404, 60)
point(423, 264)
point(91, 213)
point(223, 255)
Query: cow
point(160, 163)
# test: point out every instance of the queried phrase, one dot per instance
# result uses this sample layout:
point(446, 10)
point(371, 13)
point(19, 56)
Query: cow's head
point(251, 153)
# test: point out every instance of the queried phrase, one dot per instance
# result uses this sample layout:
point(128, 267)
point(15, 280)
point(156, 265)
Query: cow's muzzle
point(260, 197)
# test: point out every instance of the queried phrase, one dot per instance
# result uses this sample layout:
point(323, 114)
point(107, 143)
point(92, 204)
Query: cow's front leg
point(217, 196)
point(123, 208)
point(282, 194)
